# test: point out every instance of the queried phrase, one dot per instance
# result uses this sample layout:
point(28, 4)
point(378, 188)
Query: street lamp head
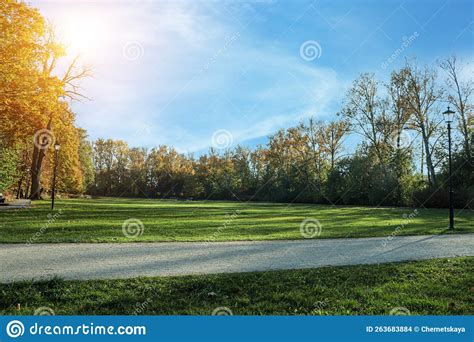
point(448, 115)
point(57, 146)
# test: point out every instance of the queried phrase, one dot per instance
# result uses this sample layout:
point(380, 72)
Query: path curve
point(119, 260)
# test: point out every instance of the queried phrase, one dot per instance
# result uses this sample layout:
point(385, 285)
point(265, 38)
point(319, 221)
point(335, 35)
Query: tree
point(366, 111)
point(307, 141)
point(400, 116)
point(137, 162)
point(54, 90)
point(332, 138)
point(86, 155)
point(21, 29)
point(8, 166)
point(421, 94)
point(459, 96)
point(398, 108)
point(32, 99)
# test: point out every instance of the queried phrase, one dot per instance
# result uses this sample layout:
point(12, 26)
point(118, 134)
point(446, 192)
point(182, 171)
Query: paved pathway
point(118, 260)
point(16, 204)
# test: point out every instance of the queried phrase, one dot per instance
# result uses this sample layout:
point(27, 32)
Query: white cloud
point(198, 72)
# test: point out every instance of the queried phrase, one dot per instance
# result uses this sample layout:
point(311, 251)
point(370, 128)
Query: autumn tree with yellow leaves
point(34, 100)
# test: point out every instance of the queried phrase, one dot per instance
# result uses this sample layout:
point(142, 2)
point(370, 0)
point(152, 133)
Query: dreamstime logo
point(140, 307)
point(43, 139)
point(320, 306)
point(222, 139)
point(44, 311)
point(221, 228)
point(227, 44)
point(133, 51)
point(400, 139)
point(142, 129)
point(15, 329)
point(132, 228)
point(407, 218)
point(310, 50)
point(400, 311)
point(310, 228)
point(222, 311)
point(406, 42)
point(51, 219)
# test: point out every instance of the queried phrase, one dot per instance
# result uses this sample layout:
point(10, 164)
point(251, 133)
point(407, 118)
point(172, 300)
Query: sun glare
point(82, 33)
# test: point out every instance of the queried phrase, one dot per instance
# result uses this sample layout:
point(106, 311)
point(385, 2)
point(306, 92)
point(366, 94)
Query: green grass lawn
point(433, 287)
point(100, 220)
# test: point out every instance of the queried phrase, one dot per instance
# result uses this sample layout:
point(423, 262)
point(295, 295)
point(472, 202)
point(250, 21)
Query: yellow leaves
point(55, 49)
point(31, 95)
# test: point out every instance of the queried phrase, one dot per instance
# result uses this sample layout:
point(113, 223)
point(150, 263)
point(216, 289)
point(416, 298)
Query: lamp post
point(53, 191)
point(448, 117)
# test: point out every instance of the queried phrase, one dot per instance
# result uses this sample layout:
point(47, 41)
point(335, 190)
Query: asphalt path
point(127, 260)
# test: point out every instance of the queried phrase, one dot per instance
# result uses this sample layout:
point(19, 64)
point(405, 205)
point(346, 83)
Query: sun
point(82, 32)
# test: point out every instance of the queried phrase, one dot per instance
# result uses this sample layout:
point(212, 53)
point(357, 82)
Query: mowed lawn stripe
point(101, 220)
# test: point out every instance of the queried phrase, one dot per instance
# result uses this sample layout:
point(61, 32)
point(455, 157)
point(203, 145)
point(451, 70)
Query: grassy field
point(437, 287)
point(101, 220)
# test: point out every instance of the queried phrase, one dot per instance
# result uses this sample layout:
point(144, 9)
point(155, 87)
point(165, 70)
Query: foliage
point(307, 163)
point(463, 185)
point(33, 97)
point(8, 166)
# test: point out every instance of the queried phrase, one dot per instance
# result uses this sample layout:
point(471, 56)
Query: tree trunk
point(37, 168)
point(422, 160)
point(27, 187)
point(466, 136)
point(20, 184)
point(429, 161)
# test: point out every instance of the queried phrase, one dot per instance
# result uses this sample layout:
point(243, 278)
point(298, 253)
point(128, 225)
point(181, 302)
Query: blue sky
point(176, 72)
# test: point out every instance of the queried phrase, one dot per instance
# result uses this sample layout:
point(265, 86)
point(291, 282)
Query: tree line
point(400, 157)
